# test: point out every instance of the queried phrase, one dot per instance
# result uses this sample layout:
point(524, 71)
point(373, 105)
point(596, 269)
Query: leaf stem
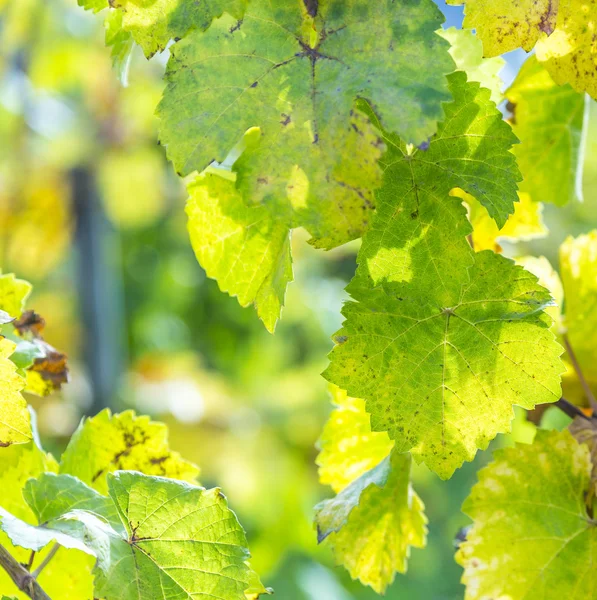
point(581, 377)
point(46, 560)
point(570, 409)
point(21, 577)
point(31, 558)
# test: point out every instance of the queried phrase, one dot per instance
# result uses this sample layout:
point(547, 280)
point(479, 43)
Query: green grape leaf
point(35, 538)
point(339, 207)
point(467, 51)
point(504, 25)
point(180, 541)
point(348, 447)
point(54, 501)
point(371, 524)
point(548, 120)
point(471, 151)
point(154, 24)
point(440, 351)
point(442, 378)
point(578, 264)
point(13, 295)
point(52, 496)
point(107, 443)
point(296, 77)
point(531, 538)
point(245, 248)
point(15, 423)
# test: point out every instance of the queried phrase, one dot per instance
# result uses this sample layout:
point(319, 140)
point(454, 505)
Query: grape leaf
point(35, 538)
point(548, 278)
point(245, 248)
point(52, 496)
point(525, 224)
point(150, 533)
point(226, 80)
point(180, 541)
point(15, 424)
point(106, 443)
point(504, 25)
point(441, 353)
point(548, 120)
point(373, 522)
point(570, 52)
point(68, 575)
point(154, 24)
point(467, 51)
point(584, 431)
point(471, 151)
point(578, 263)
point(336, 210)
point(560, 32)
point(13, 294)
point(348, 447)
point(532, 538)
point(19, 463)
point(442, 378)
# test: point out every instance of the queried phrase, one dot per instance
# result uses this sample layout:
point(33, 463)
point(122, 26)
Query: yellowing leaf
point(371, 525)
point(245, 248)
point(348, 447)
point(504, 25)
point(107, 443)
point(548, 120)
point(578, 265)
point(548, 277)
point(154, 24)
point(15, 425)
point(563, 34)
point(570, 52)
point(532, 538)
point(13, 294)
point(525, 224)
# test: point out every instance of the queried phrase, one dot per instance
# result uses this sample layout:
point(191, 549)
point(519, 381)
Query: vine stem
point(581, 377)
point(21, 577)
point(46, 560)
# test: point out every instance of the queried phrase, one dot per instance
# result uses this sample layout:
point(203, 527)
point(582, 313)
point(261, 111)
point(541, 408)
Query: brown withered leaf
point(30, 324)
